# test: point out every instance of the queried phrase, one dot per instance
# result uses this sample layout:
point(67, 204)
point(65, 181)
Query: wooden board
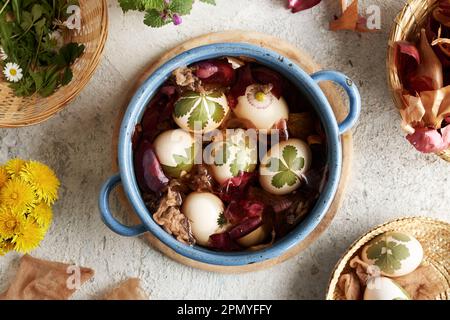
point(333, 95)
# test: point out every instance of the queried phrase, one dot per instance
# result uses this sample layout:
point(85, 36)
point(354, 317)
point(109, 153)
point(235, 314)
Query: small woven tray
point(434, 237)
point(406, 27)
point(19, 112)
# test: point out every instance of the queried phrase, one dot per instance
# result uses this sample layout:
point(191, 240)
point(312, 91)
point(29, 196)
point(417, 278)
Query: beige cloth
point(128, 290)
point(38, 279)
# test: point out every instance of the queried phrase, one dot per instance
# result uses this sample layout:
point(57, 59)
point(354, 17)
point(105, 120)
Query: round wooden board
point(304, 61)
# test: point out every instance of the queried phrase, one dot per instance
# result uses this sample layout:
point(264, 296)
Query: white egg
point(200, 112)
point(395, 253)
point(175, 150)
point(204, 211)
point(381, 288)
point(261, 108)
point(237, 152)
point(282, 167)
point(254, 238)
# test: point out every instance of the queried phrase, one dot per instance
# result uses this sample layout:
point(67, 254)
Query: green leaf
point(388, 255)
point(66, 77)
point(153, 4)
point(127, 5)
point(38, 79)
point(289, 154)
point(282, 178)
point(185, 105)
point(216, 111)
point(213, 2)
point(199, 115)
point(36, 12)
point(222, 220)
point(27, 20)
point(276, 165)
point(175, 172)
point(154, 19)
point(235, 168)
point(181, 6)
point(298, 164)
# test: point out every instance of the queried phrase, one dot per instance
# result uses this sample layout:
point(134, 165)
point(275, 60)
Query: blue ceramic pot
point(308, 84)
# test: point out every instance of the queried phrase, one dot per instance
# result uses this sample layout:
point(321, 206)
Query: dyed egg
point(395, 253)
point(254, 238)
point(282, 167)
point(204, 211)
point(261, 108)
point(200, 112)
point(236, 153)
point(175, 152)
point(382, 288)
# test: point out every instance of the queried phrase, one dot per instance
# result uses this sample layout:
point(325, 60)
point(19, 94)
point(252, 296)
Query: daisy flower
point(18, 195)
point(29, 236)
point(3, 176)
point(3, 55)
point(10, 222)
point(13, 72)
point(56, 38)
point(42, 180)
point(43, 215)
point(14, 166)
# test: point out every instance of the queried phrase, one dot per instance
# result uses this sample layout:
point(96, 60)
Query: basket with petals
point(18, 111)
point(417, 70)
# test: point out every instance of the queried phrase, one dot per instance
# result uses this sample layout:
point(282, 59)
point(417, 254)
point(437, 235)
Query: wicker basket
point(18, 111)
point(406, 27)
point(434, 236)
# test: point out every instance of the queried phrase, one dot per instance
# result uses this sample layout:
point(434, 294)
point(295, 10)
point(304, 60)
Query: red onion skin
point(300, 5)
point(223, 242)
point(216, 72)
point(148, 171)
point(430, 140)
point(246, 227)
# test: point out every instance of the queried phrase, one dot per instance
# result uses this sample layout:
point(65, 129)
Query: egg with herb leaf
point(261, 107)
point(200, 112)
point(394, 253)
point(175, 150)
point(205, 212)
point(382, 288)
point(283, 166)
point(236, 153)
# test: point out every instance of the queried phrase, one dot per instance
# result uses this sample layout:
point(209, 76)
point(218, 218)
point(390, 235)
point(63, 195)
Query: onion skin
point(430, 66)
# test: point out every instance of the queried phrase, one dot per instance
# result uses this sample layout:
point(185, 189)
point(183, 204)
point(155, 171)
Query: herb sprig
point(31, 37)
point(161, 12)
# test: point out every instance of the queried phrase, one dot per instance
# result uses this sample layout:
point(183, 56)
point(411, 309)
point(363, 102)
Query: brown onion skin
point(430, 66)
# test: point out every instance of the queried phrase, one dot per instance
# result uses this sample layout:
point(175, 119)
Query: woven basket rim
point(86, 77)
point(361, 241)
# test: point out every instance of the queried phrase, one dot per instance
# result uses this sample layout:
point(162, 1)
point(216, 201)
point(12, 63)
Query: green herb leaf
point(67, 76)
point(222, 220)
point(36, 12)
point(153, 18)
point(216, 111)
point(284, 177)
point(185, 104)
point(213, 2)
point(181, 6)
point(199, 116)
point(127, 5)
point(154, 4)
point(388, 255)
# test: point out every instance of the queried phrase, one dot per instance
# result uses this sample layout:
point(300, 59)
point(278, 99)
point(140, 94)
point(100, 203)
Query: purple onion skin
point(149, 173)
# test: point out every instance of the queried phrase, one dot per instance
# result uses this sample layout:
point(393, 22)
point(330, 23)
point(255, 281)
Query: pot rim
point(303, 82)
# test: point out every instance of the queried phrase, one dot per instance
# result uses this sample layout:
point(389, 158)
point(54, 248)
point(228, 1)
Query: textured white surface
point(389, 178)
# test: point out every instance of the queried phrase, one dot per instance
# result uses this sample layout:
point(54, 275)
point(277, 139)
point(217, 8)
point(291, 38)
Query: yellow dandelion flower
point(29, 237)
point(42, 179)
point(43, 215)
point(5, 247)
point(10, 223)
point(14, 166)
point(3, 176)
point(18, 195)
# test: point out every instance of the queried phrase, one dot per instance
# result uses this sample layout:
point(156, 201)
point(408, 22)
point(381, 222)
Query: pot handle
point(353, 94)
point(107, 217)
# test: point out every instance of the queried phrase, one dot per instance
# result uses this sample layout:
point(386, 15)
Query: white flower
point(3, 55)
point(57, 37)
point(13, 72)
